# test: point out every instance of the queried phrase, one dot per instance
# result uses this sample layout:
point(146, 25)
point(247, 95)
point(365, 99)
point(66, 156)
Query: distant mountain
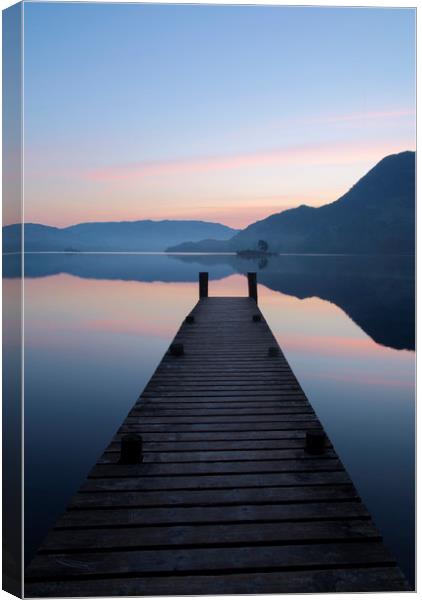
point(376, 216)
point(125, 236)
point(205, 246)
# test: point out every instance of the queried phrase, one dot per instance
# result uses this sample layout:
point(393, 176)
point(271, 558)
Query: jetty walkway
point(220, 480)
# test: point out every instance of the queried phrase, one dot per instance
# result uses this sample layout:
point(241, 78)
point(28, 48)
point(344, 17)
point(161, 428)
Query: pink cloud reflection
point(131, 327)
point(329, 345)
point(361, 379)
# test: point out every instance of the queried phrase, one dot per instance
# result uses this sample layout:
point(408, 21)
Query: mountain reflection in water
point(377, 292)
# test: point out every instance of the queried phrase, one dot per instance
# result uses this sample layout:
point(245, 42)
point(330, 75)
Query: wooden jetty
point(220, 480)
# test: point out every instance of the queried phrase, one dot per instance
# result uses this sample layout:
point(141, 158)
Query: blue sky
point(225, 113)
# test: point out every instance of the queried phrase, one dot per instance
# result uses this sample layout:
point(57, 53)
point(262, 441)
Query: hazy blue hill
point(125, 236)
point(206, 246)
point(37, 238)
point(286, 231)
point(376, 216)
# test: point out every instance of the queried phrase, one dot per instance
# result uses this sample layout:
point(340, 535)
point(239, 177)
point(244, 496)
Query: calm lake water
point(96, 326)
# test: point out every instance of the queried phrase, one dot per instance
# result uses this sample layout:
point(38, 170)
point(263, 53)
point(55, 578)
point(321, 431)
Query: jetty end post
point(252, 286)
point(203, 285)
point(131, 449)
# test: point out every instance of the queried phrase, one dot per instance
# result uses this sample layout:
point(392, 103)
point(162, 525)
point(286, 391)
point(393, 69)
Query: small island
point(260, 252)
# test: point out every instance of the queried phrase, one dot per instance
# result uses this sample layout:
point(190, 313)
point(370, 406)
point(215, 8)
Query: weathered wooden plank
point(134, 417)
point(230, 358)
point(283, 399)
point(225, 393)
point(229, 376)
point(217, 445)
point(173, 369)
point(162, 383)
point(107, 467)
point(209, 436)
point(220, 361)
point(113, 454)
point(251, 426)
point(167, 377)
point(210, 559)
point(209, 535)
point(97, 483)
point(366, 579)
point(278, 403)
point(211, 514)
point(209, 345)
point(159, 390)
point(154, 411)
point(261, 495)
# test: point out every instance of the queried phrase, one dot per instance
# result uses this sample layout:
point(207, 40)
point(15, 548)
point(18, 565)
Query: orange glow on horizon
point(233, 214)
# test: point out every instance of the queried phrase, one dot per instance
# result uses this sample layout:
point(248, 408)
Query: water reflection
point(376, 292)
point(97, 325)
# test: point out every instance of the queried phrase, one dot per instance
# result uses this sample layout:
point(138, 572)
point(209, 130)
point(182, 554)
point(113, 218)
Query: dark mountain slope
point(376, 216)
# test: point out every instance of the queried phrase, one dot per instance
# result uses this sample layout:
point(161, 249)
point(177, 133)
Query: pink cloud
point(365, 116)
point(304, 154)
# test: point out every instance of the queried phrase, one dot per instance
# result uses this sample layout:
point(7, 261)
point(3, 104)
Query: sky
point(221, 113)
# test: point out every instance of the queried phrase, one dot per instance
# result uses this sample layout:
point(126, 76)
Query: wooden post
point(177, 349)
point(252, 287)
point(315, 442)
point(131, 449)
point(203, 285)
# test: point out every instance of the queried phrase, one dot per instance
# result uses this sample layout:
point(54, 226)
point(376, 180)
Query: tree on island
point(263, 246)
